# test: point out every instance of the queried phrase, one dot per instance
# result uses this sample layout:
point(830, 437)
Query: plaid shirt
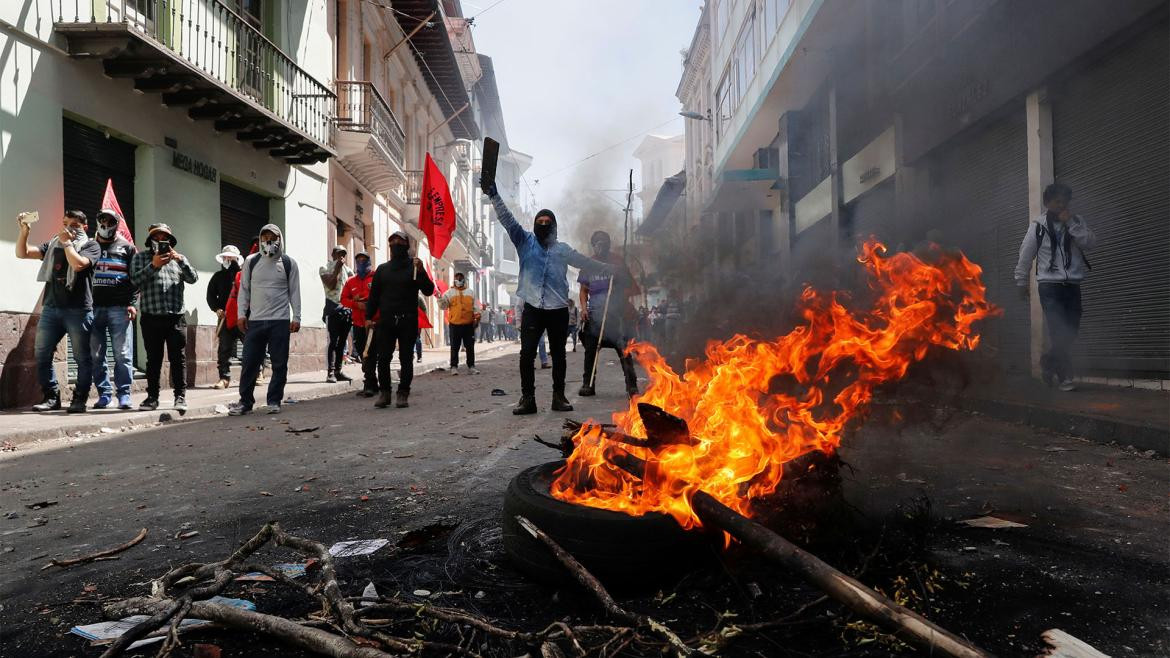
point(160, 290)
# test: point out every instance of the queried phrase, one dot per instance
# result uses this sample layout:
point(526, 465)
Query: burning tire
point(621, 550)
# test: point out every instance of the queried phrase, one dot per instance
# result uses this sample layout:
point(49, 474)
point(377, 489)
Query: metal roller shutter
point(89, 159)
point(1111, 145)
point(242, 214)
point(980, 184)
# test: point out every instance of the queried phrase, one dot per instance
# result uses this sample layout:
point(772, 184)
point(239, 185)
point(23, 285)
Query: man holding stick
point(354, 296)
point(393, 300)
point(544, 289)
point(609, 317)
point(219, 291)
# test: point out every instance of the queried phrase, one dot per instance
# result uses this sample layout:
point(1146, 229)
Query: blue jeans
point(273, 336)
point(114, 321)
point(55, 324)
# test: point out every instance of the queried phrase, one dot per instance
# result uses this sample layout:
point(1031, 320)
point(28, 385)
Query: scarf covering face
point(45, 274)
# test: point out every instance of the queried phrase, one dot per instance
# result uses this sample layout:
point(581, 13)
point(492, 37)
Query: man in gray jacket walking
point(269, 286)
point(1057, 241)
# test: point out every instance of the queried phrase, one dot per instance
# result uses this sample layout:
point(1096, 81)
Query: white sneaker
point(454, 371)
point(1067, 385)
point(473, 371)
point(237, 409)
point(272, 409)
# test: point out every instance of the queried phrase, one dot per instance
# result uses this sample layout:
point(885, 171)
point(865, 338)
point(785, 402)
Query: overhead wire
point(608, 148)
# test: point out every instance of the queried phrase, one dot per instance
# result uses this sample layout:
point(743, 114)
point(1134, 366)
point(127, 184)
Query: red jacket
point(354, 295)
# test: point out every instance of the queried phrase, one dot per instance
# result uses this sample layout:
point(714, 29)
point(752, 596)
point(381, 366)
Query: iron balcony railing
point(360, 108)
point(412, 188)
point(224, 47)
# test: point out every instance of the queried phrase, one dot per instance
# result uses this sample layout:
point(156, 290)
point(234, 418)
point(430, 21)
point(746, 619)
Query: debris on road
point(99, 555)
point(41, 505)
point(303, 430)
point(356, 547)
point(993, 522)
point(1063, 645)
point(186, 535)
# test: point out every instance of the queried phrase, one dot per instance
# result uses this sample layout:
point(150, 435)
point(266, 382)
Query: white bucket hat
point(229, 251)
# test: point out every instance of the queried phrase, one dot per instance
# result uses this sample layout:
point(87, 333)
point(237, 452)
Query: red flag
point(110, 201)
point(440, 285)
point(436, 212)
point(423, 321)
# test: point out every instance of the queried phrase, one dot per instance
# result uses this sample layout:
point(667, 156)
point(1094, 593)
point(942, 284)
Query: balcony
point(462, 152)
point(203, 57)
point(412, 187)
point(371, 144)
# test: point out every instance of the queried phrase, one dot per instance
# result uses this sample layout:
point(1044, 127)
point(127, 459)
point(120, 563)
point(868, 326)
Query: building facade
point(833, 121)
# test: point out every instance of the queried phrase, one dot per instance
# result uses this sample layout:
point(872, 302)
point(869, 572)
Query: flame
point(744, 429)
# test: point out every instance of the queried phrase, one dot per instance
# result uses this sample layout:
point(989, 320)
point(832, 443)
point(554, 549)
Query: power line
point(481, 13)
point(608, 148)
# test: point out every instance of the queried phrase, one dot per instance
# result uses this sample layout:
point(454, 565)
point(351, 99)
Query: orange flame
point(744, 429)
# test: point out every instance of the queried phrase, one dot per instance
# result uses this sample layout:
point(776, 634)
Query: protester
point(544, 289)
point(1057, 242)
point(394, 293)
point(672, 316)
point(354, 296)
point(462, 319)
point(114, 308)
point(161, 274)
point(486, 324)
point(574, 322)
point(643, 324)
point(500, 318)
point(606, 300)
point(270, 285)
point(219, 293)
point(335, 316)
point(67, 271)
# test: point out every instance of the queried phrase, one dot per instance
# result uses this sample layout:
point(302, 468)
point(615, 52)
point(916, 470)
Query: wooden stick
point(601, 335)
point(99, 555)
point(900, 620)
point(590, 582)
point(369, 341)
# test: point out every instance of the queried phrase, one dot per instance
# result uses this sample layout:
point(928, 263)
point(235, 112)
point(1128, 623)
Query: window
point(719, 20)
point(723, 107)
point(740, 71)
point(774, 11)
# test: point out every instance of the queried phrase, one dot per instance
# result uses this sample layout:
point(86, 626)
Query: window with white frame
point(738, 75)
point(774, 11)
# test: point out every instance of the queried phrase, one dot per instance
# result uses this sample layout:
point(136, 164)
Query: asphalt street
point(1093, 552)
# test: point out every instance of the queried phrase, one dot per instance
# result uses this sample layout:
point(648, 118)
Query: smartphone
point(164, 248)
point(30, 217)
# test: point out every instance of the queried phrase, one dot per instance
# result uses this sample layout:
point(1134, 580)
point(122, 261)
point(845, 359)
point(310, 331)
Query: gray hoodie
point(266, 289)
point(1081, 239)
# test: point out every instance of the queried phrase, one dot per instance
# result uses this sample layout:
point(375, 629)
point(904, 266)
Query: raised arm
point(23, 248)
point(516, 233)
point(585, 263)
point(1081, 233)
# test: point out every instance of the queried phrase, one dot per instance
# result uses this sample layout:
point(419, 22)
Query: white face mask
point(460, 284)
point(227, 263)
point(270, 248)
point(106, 232)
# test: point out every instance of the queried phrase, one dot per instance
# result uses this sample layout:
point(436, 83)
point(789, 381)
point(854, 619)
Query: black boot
point(402, 401)
point(368, 391)
point(631, 389)
point(586, 391)
point(526, 406)
point(77, 406)
point(52, 402)
point(383, 399)
point(560, 402)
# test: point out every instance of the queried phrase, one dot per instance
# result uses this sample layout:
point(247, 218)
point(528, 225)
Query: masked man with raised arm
point(544, 289)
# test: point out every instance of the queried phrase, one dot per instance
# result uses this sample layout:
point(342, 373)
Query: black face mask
point(542, 232)
point(399, 251)
point(601, 250)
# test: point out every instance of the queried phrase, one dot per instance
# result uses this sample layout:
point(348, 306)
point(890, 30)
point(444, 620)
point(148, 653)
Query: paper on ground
point(112, 630)
point(290, 570)
point(1063, 645)
point(357, 547)
point(370, 592)
point(992, 522)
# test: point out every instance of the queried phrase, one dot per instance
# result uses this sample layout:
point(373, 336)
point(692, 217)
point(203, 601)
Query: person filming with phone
point(161, 274)
point(67, 271)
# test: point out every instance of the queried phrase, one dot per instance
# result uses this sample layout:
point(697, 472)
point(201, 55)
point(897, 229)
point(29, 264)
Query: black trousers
point(535, 322)
point(359, 340)
point(337, 327)
point(370, 360)
point(592, 345)
point(396, 331)
point(1061, 303)
point(462, 335)
point(225, 350)
point(169, 331)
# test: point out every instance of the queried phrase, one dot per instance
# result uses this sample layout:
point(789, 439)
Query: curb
point(1098, 429)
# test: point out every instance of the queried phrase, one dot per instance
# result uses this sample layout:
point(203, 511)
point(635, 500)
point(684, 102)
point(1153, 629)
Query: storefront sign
point(193, 166)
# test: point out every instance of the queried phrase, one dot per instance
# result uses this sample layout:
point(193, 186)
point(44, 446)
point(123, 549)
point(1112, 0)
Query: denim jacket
point(544, 279)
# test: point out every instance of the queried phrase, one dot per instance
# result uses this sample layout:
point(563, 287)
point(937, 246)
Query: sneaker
point(331, 378)
point(419, 359)
point(77, 406)
point(272, 409)
point(526, 406)
point(222, 384)
point(103, 401)
point(560, 403)
point(261, 380)
point(545, 366)
point(1067, 385)
point(586, 392)
point(402, 401)
point(368, 392)
point(180, 403)
point(149, 404)
point(342, 377)
point(238, 409)
point(124, 402)
point(454, 370)
point(52, 402)
point(473, 371)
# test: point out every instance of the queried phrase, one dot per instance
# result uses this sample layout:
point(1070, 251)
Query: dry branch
point(590, 582)
point(99, 555)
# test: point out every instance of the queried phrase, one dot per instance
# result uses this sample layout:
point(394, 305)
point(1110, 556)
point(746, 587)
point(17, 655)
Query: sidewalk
point(1103, 414)
point(22, 427)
